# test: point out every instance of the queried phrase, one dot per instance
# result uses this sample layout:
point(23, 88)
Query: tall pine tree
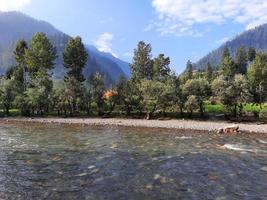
point(241, 60)
point(251, 54)
point(75, 57)
point(142, 65)
point(209, 72)
point(41, 56)
point(161, 67)
point(225, 53)
point(21, 67)
point(189, 70)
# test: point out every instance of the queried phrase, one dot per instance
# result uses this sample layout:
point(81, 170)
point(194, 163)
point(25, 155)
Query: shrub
point(213, 100)
point(263, 115)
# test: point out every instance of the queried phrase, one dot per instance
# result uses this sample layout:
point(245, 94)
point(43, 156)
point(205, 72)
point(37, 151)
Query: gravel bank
point(170, 124)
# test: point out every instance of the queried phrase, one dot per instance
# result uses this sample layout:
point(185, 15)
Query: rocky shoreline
point(210, 126)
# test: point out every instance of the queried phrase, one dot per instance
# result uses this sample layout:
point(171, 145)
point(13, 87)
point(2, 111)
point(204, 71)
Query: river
point(40, 161)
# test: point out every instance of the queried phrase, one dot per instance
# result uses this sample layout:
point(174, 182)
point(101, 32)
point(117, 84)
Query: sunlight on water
point(64, 162)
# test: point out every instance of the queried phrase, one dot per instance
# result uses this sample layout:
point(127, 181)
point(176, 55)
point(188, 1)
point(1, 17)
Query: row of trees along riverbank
point(152, 89)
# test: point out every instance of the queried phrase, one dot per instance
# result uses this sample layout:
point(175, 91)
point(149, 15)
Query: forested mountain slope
point(256, 37)
point(15, 26)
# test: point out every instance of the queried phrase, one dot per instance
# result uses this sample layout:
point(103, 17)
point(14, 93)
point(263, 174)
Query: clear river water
point(40, 161)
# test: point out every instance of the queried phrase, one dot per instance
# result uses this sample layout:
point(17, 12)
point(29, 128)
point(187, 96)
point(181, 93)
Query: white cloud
point(180, 17)
point(103, 43)
point(10, 5)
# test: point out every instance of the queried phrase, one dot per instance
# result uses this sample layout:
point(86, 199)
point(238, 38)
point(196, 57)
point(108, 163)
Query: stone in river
point(56, 158)
point(29, 162)
point(94, 171)
point(82, 174)
point(114, 146)
point(161, 179)
point(231, 129)
point(91, 167)
point(156, 177)
point(220, 131)
point(149, 186)
point(264, 168)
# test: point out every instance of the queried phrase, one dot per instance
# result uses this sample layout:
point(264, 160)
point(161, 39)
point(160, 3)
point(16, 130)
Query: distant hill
point(15, 26)
point(256, 37)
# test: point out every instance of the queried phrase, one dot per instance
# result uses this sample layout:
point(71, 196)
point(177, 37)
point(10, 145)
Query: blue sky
point(180, 29)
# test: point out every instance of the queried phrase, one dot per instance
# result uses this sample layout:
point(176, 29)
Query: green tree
point(209, 72)
point(225, 53)
point(200, 88)
point(228, 67)
point(168, 100)
point(97, 88)
point(8, 92)
point(191, 104)
point(86, 100)
point(161, 68)
point(179, 97)
point(257, 75)
point(241, 60)
point(232, 93)
point(40, 58)
point(189, 70)
point(128, 94)
point(251, 54)
point(75, 58)
point(73, 94)
point(63, 97)
point(152, 94)
point(20, 69)
point(35, 99)
point(142, 65)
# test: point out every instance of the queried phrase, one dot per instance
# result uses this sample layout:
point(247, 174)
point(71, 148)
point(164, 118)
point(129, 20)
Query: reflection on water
point(64, 162)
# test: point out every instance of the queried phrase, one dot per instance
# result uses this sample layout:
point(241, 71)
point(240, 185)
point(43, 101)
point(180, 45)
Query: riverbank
point(210, 126)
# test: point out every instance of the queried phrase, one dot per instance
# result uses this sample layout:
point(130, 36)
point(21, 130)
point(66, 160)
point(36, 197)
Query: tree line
point(153, 86)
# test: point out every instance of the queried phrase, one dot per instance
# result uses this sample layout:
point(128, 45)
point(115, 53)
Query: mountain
point(15, 26)
point(256, 37)
point(123, 65)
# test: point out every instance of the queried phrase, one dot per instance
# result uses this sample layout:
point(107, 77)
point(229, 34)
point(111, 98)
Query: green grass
point(209, 108)
point(216, 109)
point(252, 108)
point(12, 112)
point(219, 108)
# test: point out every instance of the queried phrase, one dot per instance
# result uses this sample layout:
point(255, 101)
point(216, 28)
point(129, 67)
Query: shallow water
point(64, 162)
